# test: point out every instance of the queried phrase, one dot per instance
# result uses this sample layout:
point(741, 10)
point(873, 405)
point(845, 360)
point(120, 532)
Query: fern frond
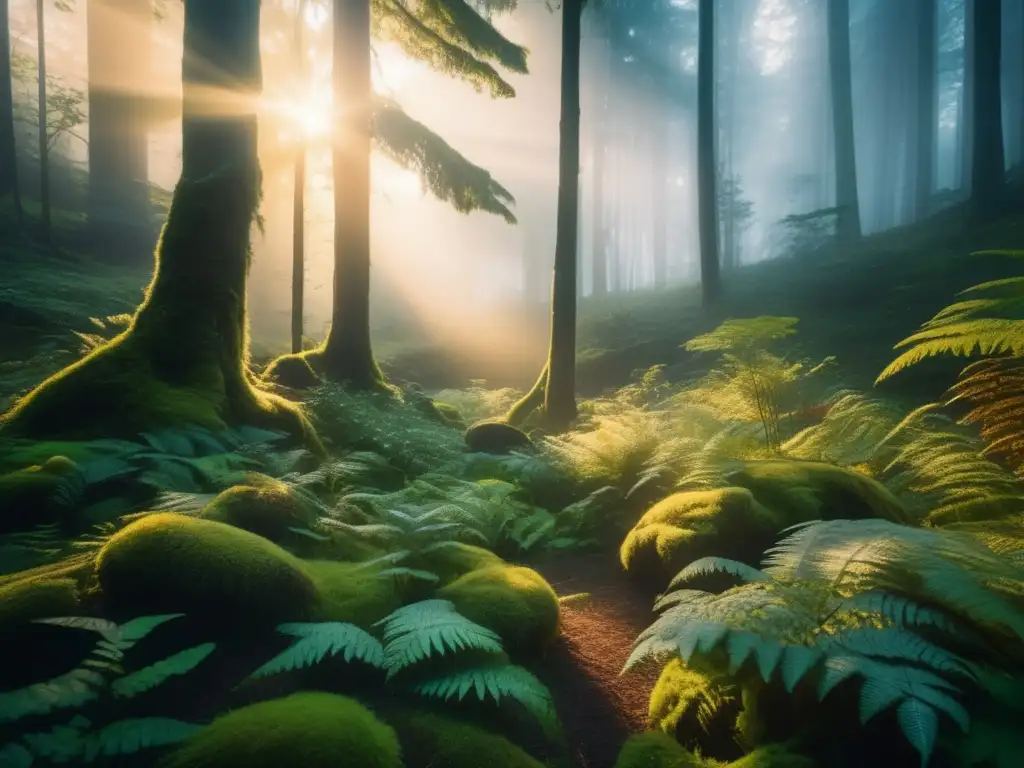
point(709, 565)
point(72, 689)
point(496, 682)
point(156, 674)
point(983, 336)
point(321, 640)
point(126, 737)
point(416, 632)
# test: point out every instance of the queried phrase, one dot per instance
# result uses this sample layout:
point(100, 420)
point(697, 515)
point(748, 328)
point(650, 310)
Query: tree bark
point(659, 192)
point(8, 150)
point(119, 50)
point(927, 46)
point(560, 394)
point(707, 196)
point(988, 166)
point(848, 222)
point(348, 354)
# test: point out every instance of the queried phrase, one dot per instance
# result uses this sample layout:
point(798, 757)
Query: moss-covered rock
point(655, 749)
point(266, 507)
point(169, 562)
point(351, 592)
point(773, 756)
point(695, 709)
point(727, 522)
point(495, 437)
point(29, 497)
point(311, 730)
point(293, 372)
point(450, 413)
point(456, 559)
point(813, 490)
point(515, 602)
point(433, 741)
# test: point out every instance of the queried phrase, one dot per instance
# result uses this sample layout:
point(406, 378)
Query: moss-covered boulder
point(311, 730)
point(37, 494)
point(351, 592)
point(695, 709)
point(727, 522)
point(292, 371)
point(263, 506)
point(433, 741)
point(813, 490)
point(495, 437)
point(773, 756)
point(515, 602)
point(450, 413)
point(168, 562)
point(456, 559)
point(655, 749)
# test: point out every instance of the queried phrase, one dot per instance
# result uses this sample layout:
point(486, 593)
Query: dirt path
point(599, 707)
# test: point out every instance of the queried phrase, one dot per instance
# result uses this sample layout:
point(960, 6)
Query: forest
point(512, 383)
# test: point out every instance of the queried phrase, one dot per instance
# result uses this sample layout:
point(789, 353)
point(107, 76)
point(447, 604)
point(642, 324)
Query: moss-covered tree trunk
point(44, 139)
point(183, 358)
point(348, 355)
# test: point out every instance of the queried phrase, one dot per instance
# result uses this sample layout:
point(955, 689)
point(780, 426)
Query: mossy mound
point(450, 413)
point(676, 705)
point(25, 601)
point(292, 371)
point(495, 437)
point(433, 741)
point(655, 749)
point(813, 490)
point(773, 756)
point(168, 562)
point(29, 497)
point(456, 559)
point(268, 509)
point(311, 730)
point(351, 592)
point(727, 522)
point(515, 602)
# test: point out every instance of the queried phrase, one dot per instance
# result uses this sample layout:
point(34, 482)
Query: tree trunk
point(44, 140)
point(707, 196)
point(848, 223)
point(965, 128)
point(348, 354)
point(299, 198)
point(119, 50)
point(560, 393)
point(988, 166)
point(659, 191)
point(927, 45)
point(183, 358)
point(599, 253)
point(8, 150)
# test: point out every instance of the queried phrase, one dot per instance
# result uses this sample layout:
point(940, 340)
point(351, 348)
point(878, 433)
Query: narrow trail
point(599, 707)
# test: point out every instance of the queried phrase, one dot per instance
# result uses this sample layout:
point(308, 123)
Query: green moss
point(292, 371)
point(457, 559)
point(515, 602)
point(656, 750)
point(450, 413)
point(267, 508)
point(351, 592)
point(169, 562)
point(811, 490)
point(25, 601)
point(433, 741)
point(727, 522)
point(312, 730)
point(28, 496)
point(495, 437)
point(679, 691)
point(773, 756)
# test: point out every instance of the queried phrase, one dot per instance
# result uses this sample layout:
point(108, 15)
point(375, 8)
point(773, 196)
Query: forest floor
point(599, 707)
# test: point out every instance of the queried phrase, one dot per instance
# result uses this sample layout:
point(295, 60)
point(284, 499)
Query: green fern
point(156, 674)
point(418, 631)
point(320, 641)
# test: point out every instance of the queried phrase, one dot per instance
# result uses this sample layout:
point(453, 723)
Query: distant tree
point(299, 191)
point(927, 65)
point(988, 166)
point(8, 150)
point(44, 142)
point(707, 198)
point(736, 214)
point(848, 227)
